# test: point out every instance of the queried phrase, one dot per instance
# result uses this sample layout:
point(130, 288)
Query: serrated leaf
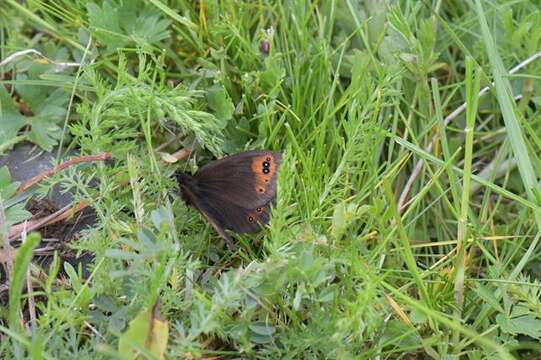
point(53, 107)
point(9, 190)
point(147, 333)
point(105, 25)
point(151, 28)
point(117, 26)
point(519, 311)
point(117, 321)
point(44, 133)
point(48, 110)
point(526, 325)
point(15, 213)
point(31, 94)
point(417, 316)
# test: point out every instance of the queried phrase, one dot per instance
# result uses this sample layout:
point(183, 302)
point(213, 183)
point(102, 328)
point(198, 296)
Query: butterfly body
point(234, 193)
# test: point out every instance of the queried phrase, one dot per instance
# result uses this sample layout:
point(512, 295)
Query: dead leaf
point(148, 333)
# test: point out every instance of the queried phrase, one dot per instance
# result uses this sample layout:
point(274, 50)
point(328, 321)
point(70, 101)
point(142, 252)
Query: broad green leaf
point(11, 120)
point(343, 216)
point(526, 325)
point(161, 216)
point(258, 339)
point(47, 110)
point(151, 28)
point(220, 102)
point(272, 76)
point(74, 278)
point(131, 22)
point(121, 254)
point(44, 132)
point(7, 187)
point(16, 214)
point(54, 106)
point(263, 329)
point(105, 25)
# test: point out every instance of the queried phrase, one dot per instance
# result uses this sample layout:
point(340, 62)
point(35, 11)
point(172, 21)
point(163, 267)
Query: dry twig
point(81, 159)
point(66, 212)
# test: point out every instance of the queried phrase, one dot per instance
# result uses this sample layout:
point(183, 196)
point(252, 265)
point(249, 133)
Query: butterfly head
point(183, 178)
point(185, 183)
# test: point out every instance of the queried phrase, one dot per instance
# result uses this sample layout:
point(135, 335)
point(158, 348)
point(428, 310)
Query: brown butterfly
point(234, 193)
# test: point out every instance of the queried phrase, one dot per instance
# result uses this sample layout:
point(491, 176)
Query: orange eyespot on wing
point(264, 168)
point(256, 218)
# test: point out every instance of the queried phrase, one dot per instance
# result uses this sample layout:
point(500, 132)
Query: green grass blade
point(481, 340)
point(512, 123)
point(497, 189)
point(24, 255)
point(473, 82)
point(409, 258)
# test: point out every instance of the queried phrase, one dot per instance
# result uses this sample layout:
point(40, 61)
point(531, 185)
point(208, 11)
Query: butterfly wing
point(249, 220)
point(213, 216)
point(234, 217)
point(247, 179)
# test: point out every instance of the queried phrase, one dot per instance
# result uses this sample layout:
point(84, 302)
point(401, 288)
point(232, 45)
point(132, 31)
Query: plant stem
point(472, 88)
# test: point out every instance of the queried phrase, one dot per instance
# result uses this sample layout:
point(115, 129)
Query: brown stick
point(81, 159)
point(64, 213)
point(69, 213)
